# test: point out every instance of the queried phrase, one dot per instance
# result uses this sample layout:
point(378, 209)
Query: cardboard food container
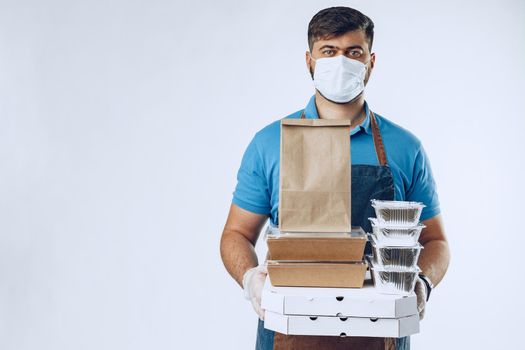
point(339, 311)
point(345, 246)
point(342, 326)
point(352, 302)
point(317, 274)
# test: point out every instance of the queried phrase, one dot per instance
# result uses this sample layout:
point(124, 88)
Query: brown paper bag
point(314, 188)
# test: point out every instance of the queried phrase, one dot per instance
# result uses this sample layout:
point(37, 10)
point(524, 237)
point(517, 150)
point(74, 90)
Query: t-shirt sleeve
point(423, 187)
point(251, 192)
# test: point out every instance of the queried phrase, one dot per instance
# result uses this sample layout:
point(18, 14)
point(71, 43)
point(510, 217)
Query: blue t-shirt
point(257, 187)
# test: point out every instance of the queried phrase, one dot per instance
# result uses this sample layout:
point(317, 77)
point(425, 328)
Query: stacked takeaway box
point(395, 246)
point(310, 259)
point(317, 281)
point(315, 244)
point(339, 311)
point(311, 289)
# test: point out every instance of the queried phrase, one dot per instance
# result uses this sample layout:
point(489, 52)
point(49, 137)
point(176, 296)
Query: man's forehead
point(349, 39)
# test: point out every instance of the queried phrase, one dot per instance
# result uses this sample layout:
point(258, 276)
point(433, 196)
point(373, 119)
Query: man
point(388, 162)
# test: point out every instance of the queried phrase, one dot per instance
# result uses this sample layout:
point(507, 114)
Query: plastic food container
point(400, 258)
point(397, 213)
point(274, 232)
point(389, 280)
point(396, 236)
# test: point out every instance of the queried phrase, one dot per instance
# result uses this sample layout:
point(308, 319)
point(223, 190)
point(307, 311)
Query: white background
point(123, 123)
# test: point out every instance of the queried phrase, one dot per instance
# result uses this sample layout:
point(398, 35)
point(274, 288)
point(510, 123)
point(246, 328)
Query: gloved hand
point(421, 293)
point(252, 283)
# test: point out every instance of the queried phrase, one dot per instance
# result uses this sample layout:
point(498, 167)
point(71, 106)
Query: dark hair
point(335, 21)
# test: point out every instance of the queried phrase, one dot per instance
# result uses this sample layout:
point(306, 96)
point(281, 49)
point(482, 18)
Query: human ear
point(309, 63)
point(372, 60)
point(308, 58)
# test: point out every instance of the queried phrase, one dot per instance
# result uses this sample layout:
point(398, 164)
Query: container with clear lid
point(393, 235)
point(401, 258)
point(315, 246)
point(397, 213)
point(389, 280)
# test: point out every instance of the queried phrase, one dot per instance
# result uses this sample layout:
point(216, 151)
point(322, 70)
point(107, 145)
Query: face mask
point(339, 79)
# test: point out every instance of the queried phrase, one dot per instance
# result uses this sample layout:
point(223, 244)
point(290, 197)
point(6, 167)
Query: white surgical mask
point(339, 79)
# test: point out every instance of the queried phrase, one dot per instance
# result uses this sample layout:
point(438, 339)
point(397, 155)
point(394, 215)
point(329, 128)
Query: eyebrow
point(335, 47)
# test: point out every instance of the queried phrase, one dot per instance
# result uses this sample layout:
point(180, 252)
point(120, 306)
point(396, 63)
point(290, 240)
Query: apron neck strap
point(378, 141)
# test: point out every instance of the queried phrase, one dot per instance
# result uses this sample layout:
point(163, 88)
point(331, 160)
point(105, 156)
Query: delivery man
point(388, 163)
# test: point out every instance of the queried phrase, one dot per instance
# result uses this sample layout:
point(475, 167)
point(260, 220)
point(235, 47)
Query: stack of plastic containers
point(395, 246)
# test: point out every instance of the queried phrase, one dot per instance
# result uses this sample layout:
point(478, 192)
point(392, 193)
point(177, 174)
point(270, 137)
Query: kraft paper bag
point(314, 188)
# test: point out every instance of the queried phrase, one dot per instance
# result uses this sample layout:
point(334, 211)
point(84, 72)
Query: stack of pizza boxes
point(318, 281)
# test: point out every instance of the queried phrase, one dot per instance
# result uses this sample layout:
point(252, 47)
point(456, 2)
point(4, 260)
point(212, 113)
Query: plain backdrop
point(123, 124)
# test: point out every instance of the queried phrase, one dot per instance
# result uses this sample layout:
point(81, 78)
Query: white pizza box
point(342, 326)
point(354, 302)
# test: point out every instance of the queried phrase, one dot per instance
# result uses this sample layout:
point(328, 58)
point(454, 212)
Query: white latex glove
point(421, 293)
point(252, 283)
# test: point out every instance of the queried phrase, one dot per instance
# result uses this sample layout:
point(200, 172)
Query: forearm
point(434, 260)
point(238, 254)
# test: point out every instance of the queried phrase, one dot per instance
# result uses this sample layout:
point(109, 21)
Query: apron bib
point(368, 182)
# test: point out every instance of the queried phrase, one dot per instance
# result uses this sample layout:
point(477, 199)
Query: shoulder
point(394, 133)
point(272, 132)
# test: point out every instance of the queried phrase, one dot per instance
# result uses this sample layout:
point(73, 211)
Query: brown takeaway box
point(317, 247)
point(317, 274)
